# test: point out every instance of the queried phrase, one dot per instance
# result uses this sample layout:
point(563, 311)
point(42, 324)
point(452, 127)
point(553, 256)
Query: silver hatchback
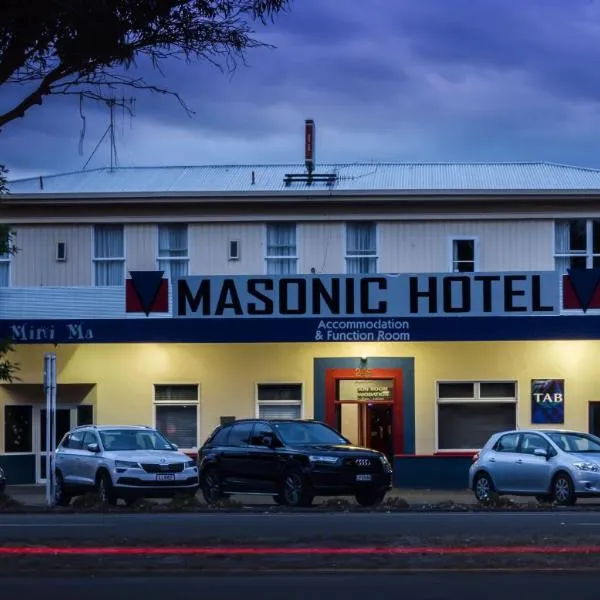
point(550, 464)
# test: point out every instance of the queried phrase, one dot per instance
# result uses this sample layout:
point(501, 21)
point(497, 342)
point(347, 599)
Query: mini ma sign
point(397, 296)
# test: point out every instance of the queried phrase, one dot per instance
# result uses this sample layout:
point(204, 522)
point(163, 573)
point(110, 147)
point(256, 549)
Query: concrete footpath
point(35, 495)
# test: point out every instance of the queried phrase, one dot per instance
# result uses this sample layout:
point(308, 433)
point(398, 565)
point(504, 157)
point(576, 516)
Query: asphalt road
point(299, 586)
point(272, 529)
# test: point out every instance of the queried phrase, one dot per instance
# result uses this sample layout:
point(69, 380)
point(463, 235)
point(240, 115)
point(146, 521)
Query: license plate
point(363, 478)
point(165, 477)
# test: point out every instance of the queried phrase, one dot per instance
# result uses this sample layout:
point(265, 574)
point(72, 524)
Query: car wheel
point(211, 487)
point(563, 490)
point(483, 487)
point(105, 490)
point(296, 490)
point(370, 498)
point(61, 498)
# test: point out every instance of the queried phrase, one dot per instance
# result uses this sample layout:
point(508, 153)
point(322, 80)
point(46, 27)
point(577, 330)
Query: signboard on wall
point(366, 390)
point(547, 401)
point(385, 296)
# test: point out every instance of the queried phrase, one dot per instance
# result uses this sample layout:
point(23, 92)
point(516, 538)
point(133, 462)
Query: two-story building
point(416, 307)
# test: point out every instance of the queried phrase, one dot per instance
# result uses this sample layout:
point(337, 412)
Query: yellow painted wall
point(227, 374)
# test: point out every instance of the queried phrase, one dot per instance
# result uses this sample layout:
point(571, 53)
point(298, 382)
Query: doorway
point(66, 418)
point(594, 417)
point(365, 406)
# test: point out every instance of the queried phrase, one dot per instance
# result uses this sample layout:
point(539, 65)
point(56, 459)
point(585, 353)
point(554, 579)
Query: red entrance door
point(381, 422)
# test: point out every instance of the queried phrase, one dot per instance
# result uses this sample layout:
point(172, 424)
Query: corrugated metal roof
point(354, 177)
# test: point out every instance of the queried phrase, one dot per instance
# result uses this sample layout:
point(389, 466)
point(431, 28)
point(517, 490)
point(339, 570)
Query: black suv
point(291, 460)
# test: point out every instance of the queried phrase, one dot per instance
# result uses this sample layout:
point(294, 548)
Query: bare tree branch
point(79, 46)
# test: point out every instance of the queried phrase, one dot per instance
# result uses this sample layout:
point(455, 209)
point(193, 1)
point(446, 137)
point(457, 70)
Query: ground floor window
point(468, 412)
point(18, 429)
point(279, 400)
point(176, 414)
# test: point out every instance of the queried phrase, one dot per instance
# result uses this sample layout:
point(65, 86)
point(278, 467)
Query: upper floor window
point(577, 244)
point(6, 243)
point(109, 255)
point(282, 253)
point(361, 248)
point(173, 253)
point(464, 255)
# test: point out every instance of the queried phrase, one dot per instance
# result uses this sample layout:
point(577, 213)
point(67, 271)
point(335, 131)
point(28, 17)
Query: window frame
point(476, 399)
point(476, 257)
point(274, 257)
point(375, 256)
point(588, 253)
point(196, 403)
point(96, 260)
point(172, 259)
point(7, 259)
point(258, 402)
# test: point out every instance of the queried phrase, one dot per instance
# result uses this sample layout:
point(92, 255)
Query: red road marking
point(237, 551)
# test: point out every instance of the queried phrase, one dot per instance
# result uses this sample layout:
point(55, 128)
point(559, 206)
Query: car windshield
point(575, 442)
point(114, 440)
point(307, 433)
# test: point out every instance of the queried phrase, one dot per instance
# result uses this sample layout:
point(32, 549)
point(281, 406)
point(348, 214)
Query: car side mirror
point(540, 452)
point(175, 446)
point(93, 447)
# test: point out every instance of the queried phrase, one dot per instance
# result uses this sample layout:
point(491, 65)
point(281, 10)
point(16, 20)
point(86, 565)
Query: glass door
point(66, 418)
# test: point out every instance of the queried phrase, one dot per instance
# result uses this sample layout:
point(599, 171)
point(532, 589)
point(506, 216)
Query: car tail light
point(475, 457)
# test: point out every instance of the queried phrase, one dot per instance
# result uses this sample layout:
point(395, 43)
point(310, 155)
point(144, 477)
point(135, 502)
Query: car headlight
point(1, 472)
point(586, 466)
point(126, 464)
point(188, 464)
point(324, 460)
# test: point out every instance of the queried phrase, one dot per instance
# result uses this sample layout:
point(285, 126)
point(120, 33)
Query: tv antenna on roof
point(127, 104)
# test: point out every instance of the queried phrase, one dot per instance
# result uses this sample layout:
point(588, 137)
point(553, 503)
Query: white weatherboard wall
point(209, 249)
point(321, 246)
point(424, 246)
point(141, 247)
point(35, 262)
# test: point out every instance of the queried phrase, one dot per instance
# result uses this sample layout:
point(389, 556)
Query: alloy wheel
point(562, 489)
point(211, 487)
point(482, 488)
point(293, 488)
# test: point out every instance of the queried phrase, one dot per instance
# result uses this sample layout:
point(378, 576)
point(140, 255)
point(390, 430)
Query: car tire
point(368, 499)
point(104, 488)
point(211, 486)
point(296, 490)
point(563, 490)
point(61, 497)
point(483, 487)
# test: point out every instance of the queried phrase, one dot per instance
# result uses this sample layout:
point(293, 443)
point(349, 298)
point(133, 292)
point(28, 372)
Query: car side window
point(220, 438)
point(240, 434)
point(75, 441)
point(261, 431)
point(530, 442)
point(89, 438)
point(507, 443)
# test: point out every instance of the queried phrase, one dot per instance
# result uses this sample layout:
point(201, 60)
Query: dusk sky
point(385, 80)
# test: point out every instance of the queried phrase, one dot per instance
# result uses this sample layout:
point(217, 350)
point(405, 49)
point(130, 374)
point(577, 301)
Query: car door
point(236, 458)
point(534, 472)
point(263, 468)
point(501, 462)
point(69, 456)
point(88, 464)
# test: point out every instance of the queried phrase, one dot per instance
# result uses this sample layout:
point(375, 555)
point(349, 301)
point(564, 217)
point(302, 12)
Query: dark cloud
point(384, 79)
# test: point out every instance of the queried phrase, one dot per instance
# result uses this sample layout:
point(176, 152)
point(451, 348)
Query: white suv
point(121, 461)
